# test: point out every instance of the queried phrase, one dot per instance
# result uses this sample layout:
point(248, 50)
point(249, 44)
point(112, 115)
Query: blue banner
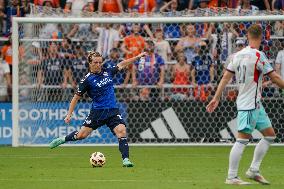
point(42, 122)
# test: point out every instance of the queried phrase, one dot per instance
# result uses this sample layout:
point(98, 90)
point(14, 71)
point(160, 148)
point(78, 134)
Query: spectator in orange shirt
point(180, 76)
point(112, 6)
point(141, 6)
point(7, 53)
point(132, 45)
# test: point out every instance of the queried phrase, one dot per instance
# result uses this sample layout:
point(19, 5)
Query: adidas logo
point(233, 127)
point(161, 129)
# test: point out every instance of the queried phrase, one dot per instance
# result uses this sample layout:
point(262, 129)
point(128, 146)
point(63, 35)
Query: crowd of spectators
point(178, 54)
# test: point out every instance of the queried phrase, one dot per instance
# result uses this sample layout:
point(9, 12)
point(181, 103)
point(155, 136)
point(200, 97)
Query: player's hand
point(212, 105)
point(67, 119)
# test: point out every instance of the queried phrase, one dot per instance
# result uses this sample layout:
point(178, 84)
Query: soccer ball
point(97, 159)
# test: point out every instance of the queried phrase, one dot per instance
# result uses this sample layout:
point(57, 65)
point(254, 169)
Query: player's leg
point(264, 126)
point(75, 135)
point(117, 125)
point(120, 132)
point(235, 157)
point(89, 125)
point(244, 134)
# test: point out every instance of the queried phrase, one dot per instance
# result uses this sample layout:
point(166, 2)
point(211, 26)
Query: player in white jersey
point(249, 65)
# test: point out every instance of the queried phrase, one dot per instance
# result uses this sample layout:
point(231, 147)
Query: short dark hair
point(95, 54)
point(255, 31)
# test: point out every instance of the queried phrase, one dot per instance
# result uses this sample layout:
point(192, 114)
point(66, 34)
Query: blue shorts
point(248, 120)
point(99, 117)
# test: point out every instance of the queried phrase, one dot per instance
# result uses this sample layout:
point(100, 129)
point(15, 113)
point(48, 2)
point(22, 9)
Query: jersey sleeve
point(83, 86)
point(231, 67)
point(112, 70)
point(264, 65)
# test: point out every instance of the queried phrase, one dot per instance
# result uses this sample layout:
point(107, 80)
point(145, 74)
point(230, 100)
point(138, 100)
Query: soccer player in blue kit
point(99, 86)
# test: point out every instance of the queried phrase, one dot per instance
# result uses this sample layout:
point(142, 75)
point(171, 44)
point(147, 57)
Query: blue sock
point(123, 147)
point(72, 136)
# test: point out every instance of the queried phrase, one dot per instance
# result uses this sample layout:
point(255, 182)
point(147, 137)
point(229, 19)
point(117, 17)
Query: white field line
point(93, 180)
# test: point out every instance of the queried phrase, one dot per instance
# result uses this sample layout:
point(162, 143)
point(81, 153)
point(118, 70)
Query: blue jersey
point(119, 77)
point(202, 65)
point(99, 87)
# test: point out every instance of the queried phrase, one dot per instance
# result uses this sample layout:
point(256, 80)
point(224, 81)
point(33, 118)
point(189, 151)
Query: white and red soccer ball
point(97, 159)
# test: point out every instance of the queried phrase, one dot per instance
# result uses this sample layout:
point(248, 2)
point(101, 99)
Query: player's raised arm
point(215, 101)
point(126, 62)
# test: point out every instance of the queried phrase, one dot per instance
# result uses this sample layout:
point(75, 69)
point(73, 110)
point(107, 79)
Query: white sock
point(235, 156)
point(260, 151)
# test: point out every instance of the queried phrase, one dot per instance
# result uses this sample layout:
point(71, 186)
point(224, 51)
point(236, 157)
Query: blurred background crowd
point(184, 61)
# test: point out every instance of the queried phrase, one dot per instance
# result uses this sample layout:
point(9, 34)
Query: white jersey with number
point(249, 66)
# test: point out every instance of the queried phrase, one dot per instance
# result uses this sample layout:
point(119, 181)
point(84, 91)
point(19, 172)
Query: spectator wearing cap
point(240, 44)
point(149, 72)
point(110, 6)
point(113, 59)
point(231, 93)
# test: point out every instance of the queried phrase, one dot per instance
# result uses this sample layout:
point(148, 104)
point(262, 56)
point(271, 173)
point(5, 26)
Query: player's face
point(96, 64)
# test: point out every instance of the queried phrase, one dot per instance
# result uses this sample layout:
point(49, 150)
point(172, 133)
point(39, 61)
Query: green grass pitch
point(155, 167)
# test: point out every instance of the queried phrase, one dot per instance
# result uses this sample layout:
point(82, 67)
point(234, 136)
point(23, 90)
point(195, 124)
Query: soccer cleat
point(236, 181)
point(256, 176)
point(127, 163)
point(56, 142)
